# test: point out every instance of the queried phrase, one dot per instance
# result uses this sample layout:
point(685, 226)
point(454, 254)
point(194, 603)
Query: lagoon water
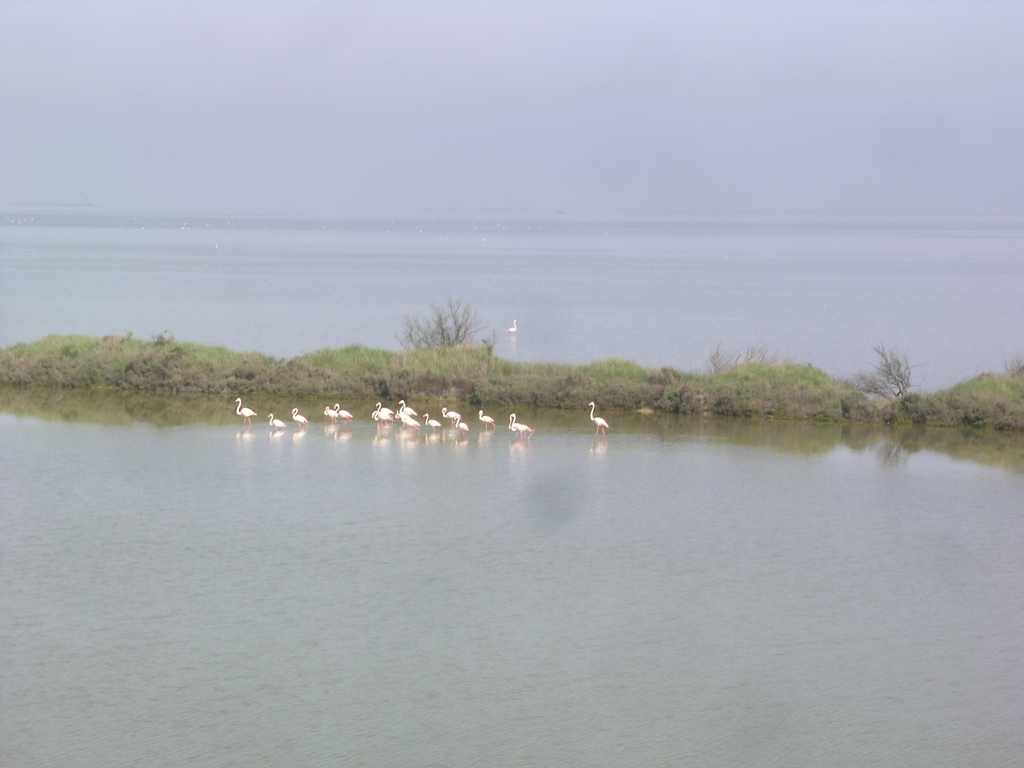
point(175, 589)
point(691, 594)
point(947, 291)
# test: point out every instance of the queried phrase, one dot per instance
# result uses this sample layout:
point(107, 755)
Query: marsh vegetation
point(765, 387)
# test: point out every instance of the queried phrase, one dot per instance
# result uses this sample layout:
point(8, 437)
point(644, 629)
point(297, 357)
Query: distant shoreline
point(773, 390)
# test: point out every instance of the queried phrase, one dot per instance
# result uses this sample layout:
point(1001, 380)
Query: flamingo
point(408, 420)
point(276, 423)
point(245, 413)
point(382, 414)
point(463, 428)
point(486, 420)
point(519, 429)
point(332, 414)
point(403, 408)
point(384, 411)
point(513, 328)
point(342, 413)
point(602, 425)
point(298, 418)
point(445, 413)
point(429, 422)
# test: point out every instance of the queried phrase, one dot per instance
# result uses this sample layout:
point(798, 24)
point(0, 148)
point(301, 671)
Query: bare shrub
point(891, 377)
point(451, 324)
point(759, 355)
point(489, 342)
point(1015, 366)
point(721, 361)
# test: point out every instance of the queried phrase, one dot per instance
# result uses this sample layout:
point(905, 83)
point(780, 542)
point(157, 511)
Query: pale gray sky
point(338, 109)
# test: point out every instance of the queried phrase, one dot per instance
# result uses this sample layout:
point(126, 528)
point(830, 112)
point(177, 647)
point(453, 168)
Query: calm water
point(177, 590)
point(946, 292)
point(683, 593)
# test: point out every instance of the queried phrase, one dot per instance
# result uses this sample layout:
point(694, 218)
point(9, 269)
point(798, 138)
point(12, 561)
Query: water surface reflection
point(697, 593)
point(890, 444)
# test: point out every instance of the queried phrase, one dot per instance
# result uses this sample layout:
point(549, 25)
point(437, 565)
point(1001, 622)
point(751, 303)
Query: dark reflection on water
point(891, 444)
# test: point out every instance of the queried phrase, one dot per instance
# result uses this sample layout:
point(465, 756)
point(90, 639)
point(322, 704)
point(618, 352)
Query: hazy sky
point(338, 109)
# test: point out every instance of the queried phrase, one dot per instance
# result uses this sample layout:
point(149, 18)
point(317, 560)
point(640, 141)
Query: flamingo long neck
point(238, 409)
point(591, 411)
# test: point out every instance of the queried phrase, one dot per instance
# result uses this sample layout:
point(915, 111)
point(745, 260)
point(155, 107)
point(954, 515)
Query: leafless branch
point(1015, 366)
point(721, 361)
point(446, 325)
point(891, 377)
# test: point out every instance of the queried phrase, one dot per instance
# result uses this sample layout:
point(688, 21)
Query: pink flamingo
point(602, 425)
point(519, 428)
point(245, 413)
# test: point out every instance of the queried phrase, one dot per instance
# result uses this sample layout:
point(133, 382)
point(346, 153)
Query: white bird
point(446, 414)
point(486, 420)
point(403, 408)
point(382, 414)
point(298, 418)
point(519, 429)
point(429, 422)
point(602, 425)
point(332, 414)
point(513, 328)
point(245, 413)
point(463, 428)
point(408, 420)
point(276, 423)
point(342, 413)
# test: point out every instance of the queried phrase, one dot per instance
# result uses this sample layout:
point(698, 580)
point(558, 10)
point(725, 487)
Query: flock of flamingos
point(406, 416)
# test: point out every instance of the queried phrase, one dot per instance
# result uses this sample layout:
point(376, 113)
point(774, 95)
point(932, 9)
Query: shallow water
point(661, 292)
point(177, 589)
point(683, 593)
